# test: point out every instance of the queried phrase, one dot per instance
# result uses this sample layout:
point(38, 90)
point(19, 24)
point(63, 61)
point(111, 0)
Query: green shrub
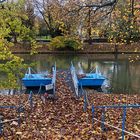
point(65, 43)
point(72, 44)
point(57, 43)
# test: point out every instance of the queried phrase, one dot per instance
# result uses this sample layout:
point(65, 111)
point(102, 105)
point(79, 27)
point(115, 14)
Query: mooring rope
point(130, 133)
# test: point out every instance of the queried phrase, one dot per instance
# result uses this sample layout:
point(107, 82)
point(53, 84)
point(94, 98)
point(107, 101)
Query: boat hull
point(91, 82)
point(37, 90)
point(36, 82)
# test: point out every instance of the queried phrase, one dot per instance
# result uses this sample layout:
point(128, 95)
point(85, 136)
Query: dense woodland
point(117, 20)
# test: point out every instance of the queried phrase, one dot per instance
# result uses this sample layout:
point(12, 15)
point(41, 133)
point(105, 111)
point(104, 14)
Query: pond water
point(122, 71)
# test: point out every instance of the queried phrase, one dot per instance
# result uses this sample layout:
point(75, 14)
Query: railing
point(30, 71)
point(86, 102)
point(30, 99)
point(103, 123)
point(54, 78)
point(18, 119)
point(19, 108)
point(50, 86)
point(75, 80)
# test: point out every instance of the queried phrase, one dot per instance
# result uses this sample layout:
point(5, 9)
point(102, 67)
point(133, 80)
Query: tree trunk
point(132, 7)
point(15, 39)
point(116, 48)
point(89, 26)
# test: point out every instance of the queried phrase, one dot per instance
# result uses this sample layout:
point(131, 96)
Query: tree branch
point(41, 12)
point(108, 3)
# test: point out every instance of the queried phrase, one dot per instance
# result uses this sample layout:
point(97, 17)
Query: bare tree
point(30, 11)
point(75, 14)
point(47, 9)
point(95, 11)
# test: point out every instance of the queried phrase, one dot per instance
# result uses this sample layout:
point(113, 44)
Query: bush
point(65, 43)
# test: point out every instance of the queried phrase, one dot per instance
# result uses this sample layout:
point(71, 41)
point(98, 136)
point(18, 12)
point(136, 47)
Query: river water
point(122, 70)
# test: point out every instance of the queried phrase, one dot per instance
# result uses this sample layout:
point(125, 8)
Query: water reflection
point(123, 76)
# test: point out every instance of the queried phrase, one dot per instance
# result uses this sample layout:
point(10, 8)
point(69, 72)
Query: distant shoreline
point(70, 52)
point(95, 48)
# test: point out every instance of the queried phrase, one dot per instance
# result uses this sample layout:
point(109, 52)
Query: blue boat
point(35, 80)
point(89, 79)
point(32, 80)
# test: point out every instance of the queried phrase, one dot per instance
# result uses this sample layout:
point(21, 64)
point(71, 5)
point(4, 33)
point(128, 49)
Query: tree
point(29, 10)
point(93, 13)
point(12, 26)
point(11, 65)
point(73, 17)
point(86, 18)
point(124, 28)
point(15, 19)
point(50, 11)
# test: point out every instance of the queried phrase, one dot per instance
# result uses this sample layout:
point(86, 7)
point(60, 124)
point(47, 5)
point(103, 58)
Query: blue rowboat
point(35, 80)
point(40, 81)
point(91, 80)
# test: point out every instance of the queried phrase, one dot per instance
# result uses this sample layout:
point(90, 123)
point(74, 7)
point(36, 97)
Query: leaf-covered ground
point(63, 118)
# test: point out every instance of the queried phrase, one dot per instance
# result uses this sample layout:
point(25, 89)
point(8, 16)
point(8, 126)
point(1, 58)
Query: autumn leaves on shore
point(63, 118)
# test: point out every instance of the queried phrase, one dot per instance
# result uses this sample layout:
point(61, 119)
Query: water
point(123, 75)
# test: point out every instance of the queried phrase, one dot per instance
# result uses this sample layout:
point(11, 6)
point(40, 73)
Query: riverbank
point(63, 118)
point(87, 49)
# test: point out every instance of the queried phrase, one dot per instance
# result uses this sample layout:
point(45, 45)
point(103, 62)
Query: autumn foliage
point(63, 117)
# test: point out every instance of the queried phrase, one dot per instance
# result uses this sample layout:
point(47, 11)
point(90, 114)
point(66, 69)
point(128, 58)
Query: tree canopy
point(85, 18)
point(12, 27)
